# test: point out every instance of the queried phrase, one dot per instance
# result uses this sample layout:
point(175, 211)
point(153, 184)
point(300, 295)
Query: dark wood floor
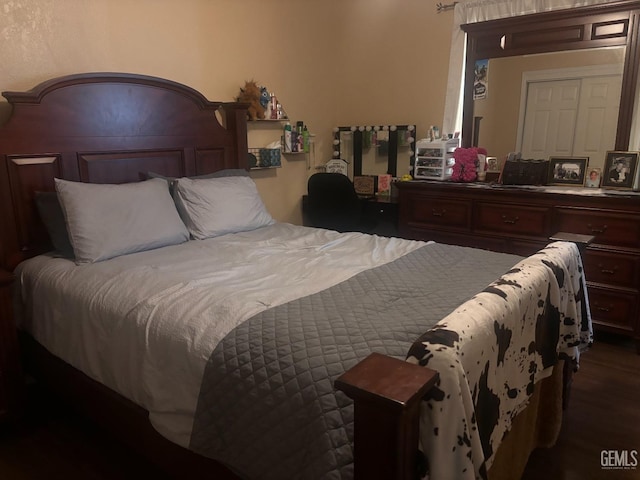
point(604, 414)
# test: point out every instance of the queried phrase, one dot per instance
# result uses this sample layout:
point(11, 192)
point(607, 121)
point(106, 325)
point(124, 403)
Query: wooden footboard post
point(387, 393)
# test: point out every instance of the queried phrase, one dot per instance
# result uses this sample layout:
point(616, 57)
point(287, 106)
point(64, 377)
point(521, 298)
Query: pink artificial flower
point(465, 166)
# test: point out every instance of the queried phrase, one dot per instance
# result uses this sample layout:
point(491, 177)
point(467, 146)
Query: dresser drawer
point(385, 211)
point(612, 268)
point(613, 309)
point(608, 227)
point(512, 219)
point(452, 214)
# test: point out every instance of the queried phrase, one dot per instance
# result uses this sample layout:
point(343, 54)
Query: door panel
point(573, 117)
point(597, 117)
point(550, 118)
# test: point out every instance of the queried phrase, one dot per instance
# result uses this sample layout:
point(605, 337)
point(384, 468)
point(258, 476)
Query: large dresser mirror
point(583, 49)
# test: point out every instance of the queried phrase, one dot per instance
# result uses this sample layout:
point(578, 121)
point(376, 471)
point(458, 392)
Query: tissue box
point(269, 157)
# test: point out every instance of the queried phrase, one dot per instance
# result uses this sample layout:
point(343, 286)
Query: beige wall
point(330, 62)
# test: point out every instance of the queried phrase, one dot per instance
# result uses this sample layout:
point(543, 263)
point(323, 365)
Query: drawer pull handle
point(603, 309)
point(609, 271)
point(510, 221)
point(438, 213)
point(596, 229)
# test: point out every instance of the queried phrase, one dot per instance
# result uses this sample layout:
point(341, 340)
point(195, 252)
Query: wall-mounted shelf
point(262, 131)
point(264, 158)
point(268, 120)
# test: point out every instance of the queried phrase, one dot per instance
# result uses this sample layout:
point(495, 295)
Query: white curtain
point(471, 11)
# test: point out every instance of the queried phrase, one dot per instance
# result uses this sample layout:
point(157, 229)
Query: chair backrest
point(333, 202)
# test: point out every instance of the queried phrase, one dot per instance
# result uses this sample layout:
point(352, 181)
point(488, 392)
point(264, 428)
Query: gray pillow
point(216, 206)
point(105, 221)
point(52, 216)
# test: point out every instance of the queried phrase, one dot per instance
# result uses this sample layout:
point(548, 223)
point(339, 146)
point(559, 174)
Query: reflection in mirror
point(552, 104)
point(376, 149)
point(597, 26)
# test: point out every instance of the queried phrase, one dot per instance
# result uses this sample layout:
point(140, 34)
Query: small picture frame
point(384, 184)
point(364, 185)
point(593, 178)
point(620, 169)
point(567, 171)
point(493, 165)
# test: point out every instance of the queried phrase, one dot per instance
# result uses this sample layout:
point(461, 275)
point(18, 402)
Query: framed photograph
point(364, 185)
point(620, 170)
point(384, 184)
point(594, 176)
point(568, 171)
point(493, 165)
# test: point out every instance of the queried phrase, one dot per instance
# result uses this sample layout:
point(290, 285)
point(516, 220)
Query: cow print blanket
point(494, 348)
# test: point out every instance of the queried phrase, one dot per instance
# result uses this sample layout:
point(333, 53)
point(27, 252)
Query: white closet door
point(597, 117)
point(575, 118)
point(550, 118)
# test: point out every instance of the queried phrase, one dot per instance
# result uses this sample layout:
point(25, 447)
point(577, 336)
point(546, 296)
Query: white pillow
point(105, 221)
point(215, 206)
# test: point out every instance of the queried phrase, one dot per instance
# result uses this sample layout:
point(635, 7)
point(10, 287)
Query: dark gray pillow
point(227, 172)
point(52, 216)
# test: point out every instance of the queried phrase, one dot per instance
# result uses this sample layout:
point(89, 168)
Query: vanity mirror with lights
point(375, 149)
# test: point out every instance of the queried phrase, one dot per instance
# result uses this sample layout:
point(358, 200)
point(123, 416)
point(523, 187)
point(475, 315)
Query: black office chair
point(332, 203)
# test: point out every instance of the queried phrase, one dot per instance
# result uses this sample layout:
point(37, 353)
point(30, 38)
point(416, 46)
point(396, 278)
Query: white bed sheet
point(145, 324)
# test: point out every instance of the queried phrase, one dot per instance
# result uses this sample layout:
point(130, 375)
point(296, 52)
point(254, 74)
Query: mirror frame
point(603, 25)
point(392, 156)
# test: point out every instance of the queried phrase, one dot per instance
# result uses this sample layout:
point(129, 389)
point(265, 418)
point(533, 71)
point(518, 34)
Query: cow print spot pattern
point(494, 349)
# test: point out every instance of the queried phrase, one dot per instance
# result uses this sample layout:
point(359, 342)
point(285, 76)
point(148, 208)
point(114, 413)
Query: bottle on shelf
point(305, 139)
point(273, 105)
point(300, 136)
point(287, 137)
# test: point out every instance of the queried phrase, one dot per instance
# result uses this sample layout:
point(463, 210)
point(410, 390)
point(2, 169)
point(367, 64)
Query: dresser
point(520, 220)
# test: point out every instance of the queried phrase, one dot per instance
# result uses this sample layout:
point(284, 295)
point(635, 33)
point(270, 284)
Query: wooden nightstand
point(384, 210)
point(10, 370)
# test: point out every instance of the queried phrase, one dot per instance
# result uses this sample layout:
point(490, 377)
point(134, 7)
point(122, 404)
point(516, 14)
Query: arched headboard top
point(106, 128)
point(36, 94)
point(94, 103)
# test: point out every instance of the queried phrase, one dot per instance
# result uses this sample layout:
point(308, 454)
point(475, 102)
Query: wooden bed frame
point(111, 128)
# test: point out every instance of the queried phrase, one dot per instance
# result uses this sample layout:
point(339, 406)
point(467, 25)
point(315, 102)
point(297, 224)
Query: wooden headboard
point(105, 128)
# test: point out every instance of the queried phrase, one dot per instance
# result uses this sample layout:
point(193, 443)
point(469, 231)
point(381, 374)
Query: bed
point(126, 334)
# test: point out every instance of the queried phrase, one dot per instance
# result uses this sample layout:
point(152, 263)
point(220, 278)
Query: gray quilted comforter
point(268, 407)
